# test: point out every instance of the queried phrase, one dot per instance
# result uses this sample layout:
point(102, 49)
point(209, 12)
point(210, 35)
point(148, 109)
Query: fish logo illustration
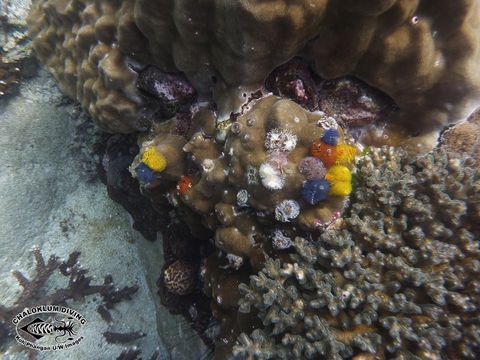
point(49, 327)
point(39, 328)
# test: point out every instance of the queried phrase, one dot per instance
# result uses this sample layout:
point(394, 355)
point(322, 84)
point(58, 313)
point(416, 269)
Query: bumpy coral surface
point(464, 138)
point(423, 54)
point(255, 177)
point(180, 277)
point(399, 278)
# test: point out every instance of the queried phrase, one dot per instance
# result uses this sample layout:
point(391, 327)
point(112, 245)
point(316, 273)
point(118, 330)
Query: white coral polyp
point(287, 210)
point(280, 140)
point(271, 177)
point(274, 182)
point(280, 241)
point(208, 165)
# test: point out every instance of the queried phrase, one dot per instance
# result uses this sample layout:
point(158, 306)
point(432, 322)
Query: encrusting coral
point(424, 55)
point(397, 279)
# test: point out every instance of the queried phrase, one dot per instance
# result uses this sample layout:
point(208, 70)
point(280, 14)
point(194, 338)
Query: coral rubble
point(423, 55)
point(398, 279)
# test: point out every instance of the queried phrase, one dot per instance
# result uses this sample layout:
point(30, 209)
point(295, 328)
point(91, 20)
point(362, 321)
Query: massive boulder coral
point(422, 54)
point(78, 41)
point(399, 278)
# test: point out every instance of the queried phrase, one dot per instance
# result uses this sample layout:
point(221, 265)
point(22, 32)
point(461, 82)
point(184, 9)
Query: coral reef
point(398, 278)
point(244, 180)
point(260, 176)
point(423, 55)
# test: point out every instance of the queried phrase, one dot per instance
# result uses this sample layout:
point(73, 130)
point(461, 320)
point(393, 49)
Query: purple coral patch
point(355, 102)
point(294, 80)
point(166, 93)
point(312, 168)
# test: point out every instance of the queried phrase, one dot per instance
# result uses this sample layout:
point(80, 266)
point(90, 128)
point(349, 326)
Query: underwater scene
point(239, 179)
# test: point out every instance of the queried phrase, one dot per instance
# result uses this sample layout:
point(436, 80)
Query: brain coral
point(423, 54)
point(399, 279)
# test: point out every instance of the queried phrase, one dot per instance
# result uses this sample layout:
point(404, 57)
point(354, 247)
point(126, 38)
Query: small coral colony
point(327, 170)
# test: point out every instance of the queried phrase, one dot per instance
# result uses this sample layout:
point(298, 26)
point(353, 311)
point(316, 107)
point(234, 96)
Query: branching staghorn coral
point(422, 54)
point(398, 279)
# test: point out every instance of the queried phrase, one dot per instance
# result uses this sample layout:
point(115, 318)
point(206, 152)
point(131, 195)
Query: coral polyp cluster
point(397, 279)
point(261, 167)
point(338, 178)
